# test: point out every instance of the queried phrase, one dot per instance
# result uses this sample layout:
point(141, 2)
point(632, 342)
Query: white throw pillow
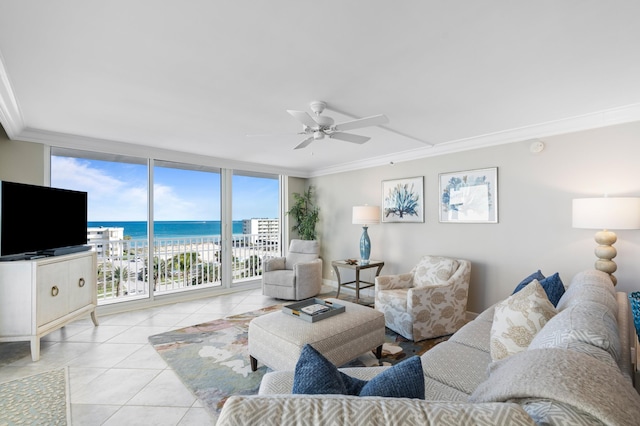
point(518, 319)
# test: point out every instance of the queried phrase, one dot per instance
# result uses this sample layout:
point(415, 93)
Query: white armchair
point(294, 277)
point(430, 301)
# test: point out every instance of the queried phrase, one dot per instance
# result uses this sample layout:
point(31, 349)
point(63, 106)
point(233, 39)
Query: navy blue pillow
point(554, 288)
point(315, 375)
point(535, 276)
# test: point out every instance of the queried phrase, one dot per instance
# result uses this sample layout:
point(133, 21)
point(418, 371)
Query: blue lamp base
point(365, 247)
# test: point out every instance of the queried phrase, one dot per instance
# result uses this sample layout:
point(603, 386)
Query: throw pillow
point(553, 285)
point(537, 275)
point(315, 375)
point(517, 320)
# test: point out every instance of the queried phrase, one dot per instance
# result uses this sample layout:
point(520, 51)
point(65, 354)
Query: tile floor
point(115, 376)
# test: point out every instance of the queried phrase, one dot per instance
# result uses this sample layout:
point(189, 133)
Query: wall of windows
point(162, 228)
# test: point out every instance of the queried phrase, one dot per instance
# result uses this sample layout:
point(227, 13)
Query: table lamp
point(365, 216)
point(606, 213)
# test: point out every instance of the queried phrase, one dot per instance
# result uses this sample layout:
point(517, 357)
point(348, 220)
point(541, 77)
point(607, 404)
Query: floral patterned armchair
point(430, 301)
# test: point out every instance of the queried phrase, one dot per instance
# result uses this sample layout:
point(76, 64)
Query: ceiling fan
point(318, 126)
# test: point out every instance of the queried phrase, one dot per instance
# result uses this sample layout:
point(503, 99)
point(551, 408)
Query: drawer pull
point(55, 290)
point(81, 282)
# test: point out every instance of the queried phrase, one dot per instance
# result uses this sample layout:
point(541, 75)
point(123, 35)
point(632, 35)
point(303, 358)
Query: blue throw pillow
point(554, 287)
point(315, 375)
point(535, 276)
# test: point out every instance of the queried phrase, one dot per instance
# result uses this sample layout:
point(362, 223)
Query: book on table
point(315, 309)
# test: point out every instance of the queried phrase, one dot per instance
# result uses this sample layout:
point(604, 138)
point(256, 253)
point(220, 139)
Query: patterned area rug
point(42, 399)
point(212, 359)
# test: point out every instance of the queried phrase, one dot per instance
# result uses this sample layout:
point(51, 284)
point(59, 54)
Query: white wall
point(534, 229)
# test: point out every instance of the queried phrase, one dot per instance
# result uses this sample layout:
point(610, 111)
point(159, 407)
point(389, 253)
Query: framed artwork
point(403, 200)
point(469, 197)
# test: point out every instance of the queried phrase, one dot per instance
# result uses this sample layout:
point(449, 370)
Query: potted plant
point(305, 215)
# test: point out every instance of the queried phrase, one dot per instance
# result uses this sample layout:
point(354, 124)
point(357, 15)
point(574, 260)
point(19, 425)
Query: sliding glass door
point(117, 217)
point(187, 237)
point(163, 227)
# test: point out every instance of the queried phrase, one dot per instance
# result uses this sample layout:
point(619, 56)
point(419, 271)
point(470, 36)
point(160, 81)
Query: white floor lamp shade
point(606, 213)
point(365, 216)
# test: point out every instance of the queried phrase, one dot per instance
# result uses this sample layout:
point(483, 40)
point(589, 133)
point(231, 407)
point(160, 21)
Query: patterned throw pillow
point(518, 319)
point(315, 375)
point(553, 285)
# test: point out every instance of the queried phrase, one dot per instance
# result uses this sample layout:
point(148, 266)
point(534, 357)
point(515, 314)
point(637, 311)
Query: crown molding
point(10, 114)
point(106, 146)
point(604, 118)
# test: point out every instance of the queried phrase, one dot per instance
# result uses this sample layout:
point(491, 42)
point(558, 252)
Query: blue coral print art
point(469, 197)
point(403, 200)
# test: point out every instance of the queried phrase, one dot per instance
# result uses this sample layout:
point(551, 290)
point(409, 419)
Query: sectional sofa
point(575, 368)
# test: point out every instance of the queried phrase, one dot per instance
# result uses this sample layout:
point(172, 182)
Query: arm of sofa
point(389, 282)
point(351, 410)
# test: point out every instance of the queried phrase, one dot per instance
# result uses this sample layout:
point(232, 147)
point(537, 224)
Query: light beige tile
point(106, 355)
point(164, 319)
point(99, 334)
point(196, 416)
point(145, 357)
point(138, 334)
point(144, 416)
point(114, 387)
point(165, 390)
point(91, 414)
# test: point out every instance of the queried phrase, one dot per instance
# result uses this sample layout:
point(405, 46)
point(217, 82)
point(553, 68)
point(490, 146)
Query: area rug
point(212, 359)
point(42, 399)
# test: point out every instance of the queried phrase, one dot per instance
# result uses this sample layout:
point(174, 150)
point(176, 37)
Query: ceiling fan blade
point(304, 143)
point(304, 118)
point(267, 135)
point(374, 120)
point(349, 137)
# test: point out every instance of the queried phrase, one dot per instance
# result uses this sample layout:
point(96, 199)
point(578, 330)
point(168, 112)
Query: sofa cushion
point(434, 270)
point(448, 363)
point(553, 286)
point(518, 319)
point(593, 286)
point(315, 375)
point(475, 334)
point(586, 327)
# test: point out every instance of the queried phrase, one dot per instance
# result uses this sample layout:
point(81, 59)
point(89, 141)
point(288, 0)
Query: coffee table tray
point(295, 309)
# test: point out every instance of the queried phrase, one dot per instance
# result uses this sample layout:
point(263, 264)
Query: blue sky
point(118, 191)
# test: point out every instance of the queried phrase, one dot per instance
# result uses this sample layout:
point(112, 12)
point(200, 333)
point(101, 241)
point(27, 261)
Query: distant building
point(106, 240)
point(262, 230)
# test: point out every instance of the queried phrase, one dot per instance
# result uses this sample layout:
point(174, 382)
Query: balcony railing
point(125, 267)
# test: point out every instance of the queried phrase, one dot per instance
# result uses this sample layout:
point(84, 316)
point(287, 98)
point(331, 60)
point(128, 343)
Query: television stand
point(39, 296)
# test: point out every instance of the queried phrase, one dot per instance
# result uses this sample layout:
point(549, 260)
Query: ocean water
point(170, 229)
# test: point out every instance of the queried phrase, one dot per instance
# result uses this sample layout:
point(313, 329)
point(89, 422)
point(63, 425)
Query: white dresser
point(42, 295)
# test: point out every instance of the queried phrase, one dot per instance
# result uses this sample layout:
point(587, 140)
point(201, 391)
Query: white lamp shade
point(366, 215)
point(606, 213)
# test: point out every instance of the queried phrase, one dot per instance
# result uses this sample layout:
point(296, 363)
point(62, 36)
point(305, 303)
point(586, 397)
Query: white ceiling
point(198, 76)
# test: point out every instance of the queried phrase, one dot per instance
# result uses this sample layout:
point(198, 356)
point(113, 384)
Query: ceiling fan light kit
point(318, 126)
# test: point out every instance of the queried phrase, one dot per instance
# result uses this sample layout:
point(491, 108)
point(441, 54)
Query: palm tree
point(159, 270)
point(185, 262)
point(119, 274)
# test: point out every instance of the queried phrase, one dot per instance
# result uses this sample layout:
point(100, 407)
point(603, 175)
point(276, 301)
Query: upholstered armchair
point(294, 277)
point(430, 301)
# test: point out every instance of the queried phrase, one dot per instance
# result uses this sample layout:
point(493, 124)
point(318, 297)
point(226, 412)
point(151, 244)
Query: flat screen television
point(39, 220)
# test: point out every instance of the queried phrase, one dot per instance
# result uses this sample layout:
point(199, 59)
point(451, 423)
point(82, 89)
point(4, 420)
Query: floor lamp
point(606, 214)
point(365, 216)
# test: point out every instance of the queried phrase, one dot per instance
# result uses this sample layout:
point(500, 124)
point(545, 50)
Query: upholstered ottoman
point(276, 339)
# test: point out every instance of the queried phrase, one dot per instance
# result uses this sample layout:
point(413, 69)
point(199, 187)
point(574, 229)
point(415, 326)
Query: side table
point(357, 267)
